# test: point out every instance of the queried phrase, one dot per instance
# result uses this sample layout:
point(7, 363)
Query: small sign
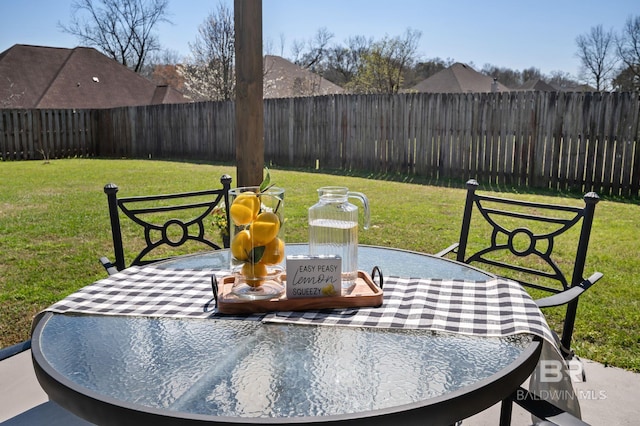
point(313, 276)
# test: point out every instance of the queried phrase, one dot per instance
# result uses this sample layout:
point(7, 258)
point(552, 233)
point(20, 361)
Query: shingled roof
point(458, 78)
point(284, 79)
point(50, 77)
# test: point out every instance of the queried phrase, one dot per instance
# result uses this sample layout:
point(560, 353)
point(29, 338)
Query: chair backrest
point(520, 238)
point(168, 221)
point(521, 241)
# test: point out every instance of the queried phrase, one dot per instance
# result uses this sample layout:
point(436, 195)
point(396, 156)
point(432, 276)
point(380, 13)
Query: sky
point(504, 33)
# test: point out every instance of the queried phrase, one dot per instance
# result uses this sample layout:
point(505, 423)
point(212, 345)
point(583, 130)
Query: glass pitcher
point(333, 228)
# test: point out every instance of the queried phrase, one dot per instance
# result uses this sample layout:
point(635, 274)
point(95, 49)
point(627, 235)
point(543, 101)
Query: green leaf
point(266, 181)
point(257, 253)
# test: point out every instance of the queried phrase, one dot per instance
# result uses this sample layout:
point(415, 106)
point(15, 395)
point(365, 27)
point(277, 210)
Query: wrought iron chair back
point(168, 221)
point(520, 243)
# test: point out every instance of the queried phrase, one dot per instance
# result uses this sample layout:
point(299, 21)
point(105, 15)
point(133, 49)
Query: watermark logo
point(552, 371)
point(591, 394)
point(562, 395)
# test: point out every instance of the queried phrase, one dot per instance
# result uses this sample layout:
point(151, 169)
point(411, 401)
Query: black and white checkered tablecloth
point(484, 308)
point(145, 291)
point(496, 307)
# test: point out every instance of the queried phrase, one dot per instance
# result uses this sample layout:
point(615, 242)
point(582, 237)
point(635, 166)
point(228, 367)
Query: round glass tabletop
point(247, 369)
point(127, 370)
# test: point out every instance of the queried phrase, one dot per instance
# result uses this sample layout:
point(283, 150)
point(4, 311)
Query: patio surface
point(608, 396)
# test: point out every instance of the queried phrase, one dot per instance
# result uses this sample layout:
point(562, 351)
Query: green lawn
point(54, 226)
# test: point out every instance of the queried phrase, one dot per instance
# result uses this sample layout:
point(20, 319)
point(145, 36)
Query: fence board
point(544, 152)
point(595, 145)
point(629, 133)
point(520, 153)
point(3, 135)
point(14, 136)
point(609, 146)
point(430, 141)
point(494, 126)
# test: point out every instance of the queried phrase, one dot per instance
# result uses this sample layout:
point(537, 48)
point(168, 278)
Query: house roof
point(50, 77)
point(458, 78)
point(536, 85)
point(284, 79)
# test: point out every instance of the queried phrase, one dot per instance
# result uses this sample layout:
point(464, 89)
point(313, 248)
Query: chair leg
point(506, 409)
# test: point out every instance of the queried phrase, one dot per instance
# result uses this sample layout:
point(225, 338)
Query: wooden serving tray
point(364, 293)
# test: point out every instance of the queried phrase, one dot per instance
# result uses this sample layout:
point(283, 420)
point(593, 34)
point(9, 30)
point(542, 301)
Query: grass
point(54, 226)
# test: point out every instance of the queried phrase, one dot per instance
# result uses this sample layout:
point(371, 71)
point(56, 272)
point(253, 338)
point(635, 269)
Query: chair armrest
point(108, 266)
point(544, 410)
point(570, 294)
point(446, 251)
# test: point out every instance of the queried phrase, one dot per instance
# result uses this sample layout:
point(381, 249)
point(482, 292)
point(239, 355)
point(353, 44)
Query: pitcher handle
point(365, 202)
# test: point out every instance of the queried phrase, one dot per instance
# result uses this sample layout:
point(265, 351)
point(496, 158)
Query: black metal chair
point(168, 221)
point(518, 241)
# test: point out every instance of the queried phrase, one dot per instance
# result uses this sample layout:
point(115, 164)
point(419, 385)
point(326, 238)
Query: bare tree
point(595, 50)
point(427, 68)
point(269, 48)
point(159, 59)
point(531, 73)
point(121, 29)
point(210, 74)
point(313, 53)
point(507, 76)
point(561, 80)
point(384, 65)
point(283, 43)
point(628, 49)
point(626, 81)
point(343, 62)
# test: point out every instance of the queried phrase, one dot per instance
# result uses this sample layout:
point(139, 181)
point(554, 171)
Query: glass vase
point(257, 241)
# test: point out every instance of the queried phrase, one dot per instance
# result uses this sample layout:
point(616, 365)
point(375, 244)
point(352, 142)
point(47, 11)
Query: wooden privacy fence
point(569, 141)
point(202, 130)
point(44, 133)
point(574, 141)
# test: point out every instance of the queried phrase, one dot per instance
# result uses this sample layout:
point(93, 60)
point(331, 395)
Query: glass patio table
point(124, 370)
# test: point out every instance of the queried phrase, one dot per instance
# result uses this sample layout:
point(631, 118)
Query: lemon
point(328, 290)
point(264, 229)
point(254, 273)
point(244, 208)
point(273, 252)
point(241, 245)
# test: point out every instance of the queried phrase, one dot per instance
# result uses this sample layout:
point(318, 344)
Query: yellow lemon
point(241, 245)
point(264, 229)
point(254, 273)
point(273, 252)
point(328, 290)
point(244, 208)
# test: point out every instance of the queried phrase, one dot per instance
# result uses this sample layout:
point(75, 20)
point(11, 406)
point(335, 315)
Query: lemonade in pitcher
point(333, 228)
